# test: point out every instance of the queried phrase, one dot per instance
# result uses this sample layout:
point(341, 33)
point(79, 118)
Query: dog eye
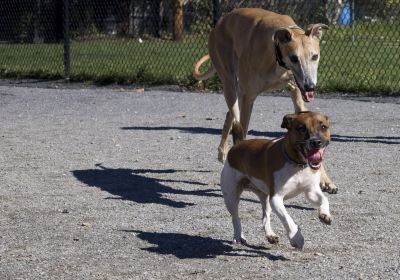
point(294, 58)
point(301, 129)
point(314, 57)
point(324, 127)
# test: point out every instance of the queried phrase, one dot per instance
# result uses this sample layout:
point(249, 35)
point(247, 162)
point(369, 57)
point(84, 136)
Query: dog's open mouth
point(308, 96)
point(315, 157)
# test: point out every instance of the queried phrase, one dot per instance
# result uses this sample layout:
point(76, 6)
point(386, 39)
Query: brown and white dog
point(254, 50)
point(276, 170)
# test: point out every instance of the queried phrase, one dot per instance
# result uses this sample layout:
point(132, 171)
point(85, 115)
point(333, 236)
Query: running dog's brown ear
point(326, 118)
point(287, 121)
point(315, 30)
point(283, 35)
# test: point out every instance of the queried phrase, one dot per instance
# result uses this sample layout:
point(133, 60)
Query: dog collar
point(278, 52)
point(278, 55)
point(302, 165)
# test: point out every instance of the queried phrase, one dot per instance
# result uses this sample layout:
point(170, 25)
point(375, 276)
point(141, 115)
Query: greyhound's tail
point(237, 132)
point(206, 75)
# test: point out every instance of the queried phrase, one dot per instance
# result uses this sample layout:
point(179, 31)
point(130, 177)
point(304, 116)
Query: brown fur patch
point(258, 158)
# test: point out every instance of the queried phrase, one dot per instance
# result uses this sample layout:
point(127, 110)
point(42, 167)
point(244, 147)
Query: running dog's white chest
point(291, 180)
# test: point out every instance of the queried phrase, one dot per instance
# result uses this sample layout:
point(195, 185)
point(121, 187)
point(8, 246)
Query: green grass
point(369, 64)
point(128, 61)
point(31, 61)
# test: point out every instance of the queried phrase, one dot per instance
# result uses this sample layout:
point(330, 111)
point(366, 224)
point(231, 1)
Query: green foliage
point(201, 14)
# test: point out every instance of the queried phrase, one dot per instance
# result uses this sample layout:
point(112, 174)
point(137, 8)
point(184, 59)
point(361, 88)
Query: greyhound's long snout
point(309, 87)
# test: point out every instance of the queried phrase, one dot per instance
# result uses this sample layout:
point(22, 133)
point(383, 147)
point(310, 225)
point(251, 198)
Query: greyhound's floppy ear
point(283, 35)
point(315, 30)
point(287, 121)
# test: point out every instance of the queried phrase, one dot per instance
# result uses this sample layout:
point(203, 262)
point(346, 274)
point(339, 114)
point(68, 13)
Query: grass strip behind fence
point(360, 66)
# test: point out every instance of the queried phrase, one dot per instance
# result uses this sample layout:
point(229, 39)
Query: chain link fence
point(158, 41)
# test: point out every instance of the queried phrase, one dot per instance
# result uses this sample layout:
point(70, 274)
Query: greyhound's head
point(298, 51)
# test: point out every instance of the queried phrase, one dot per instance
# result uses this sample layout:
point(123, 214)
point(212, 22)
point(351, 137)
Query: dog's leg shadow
point(184, 246)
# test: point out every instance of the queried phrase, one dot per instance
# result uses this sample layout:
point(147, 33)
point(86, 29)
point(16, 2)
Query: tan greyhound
point(254, 50)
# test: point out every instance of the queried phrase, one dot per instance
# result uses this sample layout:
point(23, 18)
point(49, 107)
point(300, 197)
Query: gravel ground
point(108, 183)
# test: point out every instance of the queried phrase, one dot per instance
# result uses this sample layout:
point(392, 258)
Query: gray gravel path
point(122, 184)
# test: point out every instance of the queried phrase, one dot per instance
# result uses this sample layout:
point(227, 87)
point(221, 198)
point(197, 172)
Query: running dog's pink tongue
point(314, 156)
point(309, 96)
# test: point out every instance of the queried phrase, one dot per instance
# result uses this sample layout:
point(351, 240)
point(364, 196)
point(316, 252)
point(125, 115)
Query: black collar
point(292, 161)
point(278, 55)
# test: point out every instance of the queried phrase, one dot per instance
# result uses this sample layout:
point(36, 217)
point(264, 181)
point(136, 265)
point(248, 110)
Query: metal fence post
point(67, 56)
point(215, 11)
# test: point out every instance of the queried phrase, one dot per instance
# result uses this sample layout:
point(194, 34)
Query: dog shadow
point(270, 134)
point(129, 184)
point(184, 246)
point(200, 130)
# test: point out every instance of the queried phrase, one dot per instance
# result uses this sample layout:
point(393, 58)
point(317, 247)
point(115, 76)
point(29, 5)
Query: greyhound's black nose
point(309, 87)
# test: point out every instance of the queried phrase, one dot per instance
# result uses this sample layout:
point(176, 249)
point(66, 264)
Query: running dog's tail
point(206, 75)
point(237, 132)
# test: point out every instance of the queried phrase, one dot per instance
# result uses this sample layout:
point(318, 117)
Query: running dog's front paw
point(273, 239)
point(325, 218)
point(297, 240)
point(328, 186)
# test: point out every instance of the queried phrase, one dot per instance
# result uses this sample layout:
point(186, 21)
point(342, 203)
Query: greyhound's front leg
point(297, 100)
point(292, 230)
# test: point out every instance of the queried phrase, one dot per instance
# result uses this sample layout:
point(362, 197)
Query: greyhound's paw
point(273, 239)
point(297, 240)
point(239, 241)
point(328, 186)
point(325, 218)
point(221, 155)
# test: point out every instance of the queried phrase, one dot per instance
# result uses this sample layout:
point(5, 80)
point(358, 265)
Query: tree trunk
point(178, 20)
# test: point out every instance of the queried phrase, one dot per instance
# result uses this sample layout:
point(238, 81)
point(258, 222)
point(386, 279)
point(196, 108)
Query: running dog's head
point(308, 135)
point(298, 51)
